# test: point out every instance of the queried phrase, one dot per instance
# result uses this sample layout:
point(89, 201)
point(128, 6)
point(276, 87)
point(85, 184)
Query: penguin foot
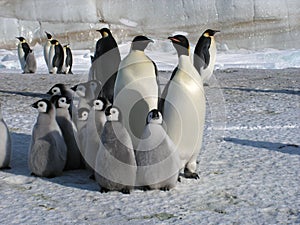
point(92, 177)
point(125, 190)
point(6, 168)
point(190, 175)
point(179, 179)
point(146, 188)
point(103, 190)
point(166, 188)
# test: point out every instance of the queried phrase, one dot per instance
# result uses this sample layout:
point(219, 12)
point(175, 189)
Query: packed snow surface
point(248, 167)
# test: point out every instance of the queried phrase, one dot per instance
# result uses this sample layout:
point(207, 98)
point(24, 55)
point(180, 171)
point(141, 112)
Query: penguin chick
point(69, 131)
point(30, 65)
point(158, 162)
point(48, 151)
point(184, 108)
point(82, 118)
point(115, 163)
point(47, 46)
point(56, 57)
point(5, 143)
point(95, 124)
point(23, 51)
point(136, 90)
point(205, 54)
point(68, 60)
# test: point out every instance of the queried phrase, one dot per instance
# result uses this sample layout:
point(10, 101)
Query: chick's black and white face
point(83, 116)
point(94, 85)
point(56, 91)
point(113, 114)
point(80, 90)
point(98, 105)
point(62, 102)
point(42, 107)
point(154, 117)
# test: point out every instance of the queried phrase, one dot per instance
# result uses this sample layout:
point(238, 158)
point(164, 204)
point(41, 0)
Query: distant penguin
point(47, 46)
point(56, 57)
point(94, 127)
point(30, 65)
point(105, 63)
point(69, 131)
point(205, 54)
point(68, 60)
point(136, 89)
point(184, 108)
point(158, 162)
point(5, 143)
point(23, 51)
point(48, 151)
point(115, 162)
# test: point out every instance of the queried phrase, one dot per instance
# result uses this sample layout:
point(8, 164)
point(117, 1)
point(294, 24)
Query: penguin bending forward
point(184, 108)
point(115, 163)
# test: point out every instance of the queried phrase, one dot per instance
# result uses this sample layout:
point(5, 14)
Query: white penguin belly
point(51, 56)
point(21, 55)
point(46, 53)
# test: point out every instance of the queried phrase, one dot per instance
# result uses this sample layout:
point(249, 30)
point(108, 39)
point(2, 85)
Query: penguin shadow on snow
point(292, 149)
point(280, 91)
point(27, 94)
point(19, 166)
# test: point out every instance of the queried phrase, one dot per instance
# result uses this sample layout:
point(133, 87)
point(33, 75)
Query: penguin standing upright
point(5, 143)
point(56, 57)
point(68, 60)
point(81, 123)
point(48, 151)
point(115, 163)
point(30, 65)
point(158, 162)
point(27, 65)
point(47, 46)
point(205, 54)
point(105, 63)
point(136, 89)
point(69, 131)
point(184, 108)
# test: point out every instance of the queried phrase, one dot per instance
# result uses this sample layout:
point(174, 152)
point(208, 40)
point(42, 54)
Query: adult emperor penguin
point(95, 124)
point(158, 162)
point(68, 60)
point(23, 51)
point(47, 46)
point(115, 163)
point(30, 64)
point(48, 151)
point(184, 108)
point(69, 131)
point(136, 88)
point(5, 143)
point(205, 54)
point(105, 63)
point(56, 57)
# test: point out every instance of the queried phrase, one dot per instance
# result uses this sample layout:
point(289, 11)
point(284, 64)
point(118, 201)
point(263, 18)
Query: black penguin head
point(61, 101)
point(83, 114)
point(100, 103)
point(49, 36)
point(105, 32)
point(57, 89)
point(113, 113)
point(210, 33)
point(54, 42)
point(43, 105)
point(181, 44)
point(154, 116)
point(67, 46)
point(140, 43)
point(21, 39)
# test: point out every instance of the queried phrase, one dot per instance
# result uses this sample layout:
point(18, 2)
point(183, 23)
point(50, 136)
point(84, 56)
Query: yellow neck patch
point(206, 35)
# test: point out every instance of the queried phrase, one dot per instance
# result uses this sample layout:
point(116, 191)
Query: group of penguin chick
point(104, 128)
point(58, 58)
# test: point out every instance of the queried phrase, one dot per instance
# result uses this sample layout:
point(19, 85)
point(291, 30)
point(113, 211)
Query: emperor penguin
point(184, 108)
point(81, 124)
point(205, 54)
point(30, 64)
point(48, 151)
point(136, 90)
point(56, 57)
point(68, 60)
point(69, 131)
point(105, 63)
point(115, 163)
point(47, 46)
point(23, 51)
point(94, 127)
point(5, 143)
point(158, 162)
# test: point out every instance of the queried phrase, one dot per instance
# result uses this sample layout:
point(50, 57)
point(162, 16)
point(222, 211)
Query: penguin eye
point(63, 100)
point(97, 103)
point(41, 104)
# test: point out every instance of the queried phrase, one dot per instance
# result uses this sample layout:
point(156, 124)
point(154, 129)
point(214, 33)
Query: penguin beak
point(34, 105)
point(49, 92)
point(74, 87)
point(107, 113)
point(174, 39)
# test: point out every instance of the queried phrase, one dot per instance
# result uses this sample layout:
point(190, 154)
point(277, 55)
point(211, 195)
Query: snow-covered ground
point(248, 167)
